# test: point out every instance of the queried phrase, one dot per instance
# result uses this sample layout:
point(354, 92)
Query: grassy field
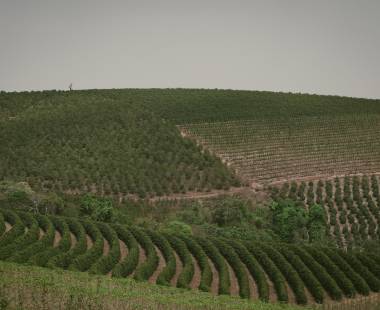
point(27, 287)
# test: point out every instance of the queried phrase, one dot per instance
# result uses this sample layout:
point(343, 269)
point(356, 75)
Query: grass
point(28, 287)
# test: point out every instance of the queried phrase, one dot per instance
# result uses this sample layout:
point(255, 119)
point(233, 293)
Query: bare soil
point(123, 251)
point(42, 233)
point(90, 243)
point(142, 259)
point(106, 247)
point(8, 227)
point(160, 267)
point(196, 280)
point(215, 279)
point(57, 238)
point(178, 269)
point(234, 284)
point(254, 293)
point(73, 240)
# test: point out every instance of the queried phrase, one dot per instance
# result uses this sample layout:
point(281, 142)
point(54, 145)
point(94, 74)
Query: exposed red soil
point(178, 269)
point(196, 280)
point(160, 267)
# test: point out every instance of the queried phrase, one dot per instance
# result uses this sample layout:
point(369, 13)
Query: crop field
point(269, 272)
point(263, 151)
point(352, 205)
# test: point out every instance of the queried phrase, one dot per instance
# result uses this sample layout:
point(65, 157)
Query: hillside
point(124, 142)
point(251, 270)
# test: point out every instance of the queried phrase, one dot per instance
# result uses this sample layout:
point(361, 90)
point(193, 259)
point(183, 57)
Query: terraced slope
point(352, 205)
point(270, 272)
point(264, 151)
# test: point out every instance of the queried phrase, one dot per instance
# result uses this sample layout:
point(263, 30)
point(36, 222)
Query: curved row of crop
point(146, 269)
point(220, 264)
point(271, 270)
point(17, 227)
point(181, 249)
point(106, 263)
point(129, 264)
point(42, 244)
point(237, 266)
point(42, 258)
point(84, 261)
point(164, 246)
point(201, 257)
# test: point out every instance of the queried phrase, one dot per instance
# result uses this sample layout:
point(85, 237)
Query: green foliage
point(145, 270)
point(316, 223)
point(219, 262)
point(289, 220)
point(98, 209)
point(126, 267)
point(178, 228)
point(271, 270)
point(230, 212)
point(253, 267)
point(187, 273)
point(202, 260)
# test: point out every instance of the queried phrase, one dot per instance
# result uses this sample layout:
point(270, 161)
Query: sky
point(324, 47)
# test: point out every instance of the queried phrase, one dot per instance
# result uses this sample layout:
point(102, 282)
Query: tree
point(99, 209)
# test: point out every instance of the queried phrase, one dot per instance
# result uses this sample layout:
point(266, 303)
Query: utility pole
point(71, 86)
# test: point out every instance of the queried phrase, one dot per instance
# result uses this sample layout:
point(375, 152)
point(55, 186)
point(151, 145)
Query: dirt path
point(123, 251)
point(73, 240)
point(234, 284)
point(57, 238)
point(215, 279)
point(8, 227)
point(142, 259)
point(254, 293)
point(160, 267)
point(106, 247)
point(196, 280)
point(178, 269)
point(272, 290)
point(90, 243)
point(291, 296)
point(42, 233)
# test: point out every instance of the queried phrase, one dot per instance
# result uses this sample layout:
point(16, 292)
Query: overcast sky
point(324, 46)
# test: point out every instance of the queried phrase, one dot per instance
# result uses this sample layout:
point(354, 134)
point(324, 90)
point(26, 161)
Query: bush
point(234, 261)
point(126, 267)
point(324, 278)
point(65, 259)
point(305, 274)
point(271, 270)
point(84, 261)
point(164, 246)
point(359, 283)
point(22, 240)
point(42, 258)
point(253, 267)
point(202, 260)
point(17, 227)
point(106, 263)
point(187, 273)
point(288, 271)
point(45, 242)
point(355, 264)
point(340, 278)
point(146, 269)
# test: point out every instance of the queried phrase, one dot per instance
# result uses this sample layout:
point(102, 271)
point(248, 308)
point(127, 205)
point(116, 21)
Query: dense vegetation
point(349, 207)
point(121, 251)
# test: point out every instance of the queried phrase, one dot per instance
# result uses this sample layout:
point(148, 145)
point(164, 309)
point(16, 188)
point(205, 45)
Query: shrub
point(234, 261)
point(126, 267)
point(253, 267)
point(271, 270)
point(219, 262)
